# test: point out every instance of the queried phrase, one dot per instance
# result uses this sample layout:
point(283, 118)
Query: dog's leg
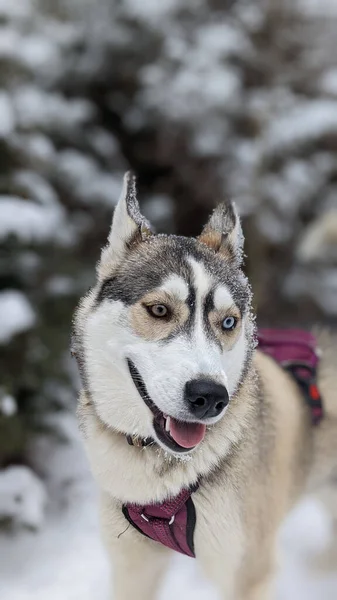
point(256, 581)
point(259, 591)
point(138, 572)
point(137, 562)
point(256, 574)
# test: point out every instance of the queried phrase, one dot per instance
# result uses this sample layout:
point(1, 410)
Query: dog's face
point(166, 336)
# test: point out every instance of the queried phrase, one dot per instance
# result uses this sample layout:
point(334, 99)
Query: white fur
point(233, 361)
point(209, 356)
point(106, 342)
point(177, 286)
point(123, 226)
point(167, 371)
point(202, 280)
point(236, 236)
point(222, 298)
point(122, 229)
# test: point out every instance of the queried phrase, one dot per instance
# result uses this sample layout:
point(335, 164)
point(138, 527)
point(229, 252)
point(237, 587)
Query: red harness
point(172, 522)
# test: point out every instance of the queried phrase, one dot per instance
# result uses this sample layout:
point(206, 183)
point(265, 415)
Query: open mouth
point(178, 436)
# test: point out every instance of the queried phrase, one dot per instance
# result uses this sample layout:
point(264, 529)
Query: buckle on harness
point(147, 519)
point(144, 518)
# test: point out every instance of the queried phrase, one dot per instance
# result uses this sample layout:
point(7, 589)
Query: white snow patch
point(7, 121)
point(10, 41)
point(39, 53)
point(35, 186)
point(29, 221)
point(15, 10)
point(16, 315)
point(219, 40)
point(328, 82)
point(36, 148)
point(8, 405)
point(308, 541)
point(82, 175)
point(195, 89)
point(151, 10)
point(50, 111)
point(304, 124)
point(319, 8)
point(22, 497)
point(319, 241)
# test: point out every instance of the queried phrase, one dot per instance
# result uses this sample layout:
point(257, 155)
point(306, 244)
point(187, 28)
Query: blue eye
point(229, 323)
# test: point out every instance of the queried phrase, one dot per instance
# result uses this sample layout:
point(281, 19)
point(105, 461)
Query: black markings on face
point(107, 291)
point(149, 264)
point(208, 306)
point(191, 303)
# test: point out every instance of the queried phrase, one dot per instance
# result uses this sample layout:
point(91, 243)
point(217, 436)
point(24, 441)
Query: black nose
point(205, 398)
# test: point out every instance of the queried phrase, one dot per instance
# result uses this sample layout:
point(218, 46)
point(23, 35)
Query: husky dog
point(165, 343)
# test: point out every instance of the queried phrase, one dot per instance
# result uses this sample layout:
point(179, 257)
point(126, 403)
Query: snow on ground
point(65, 559)
point(22, 497)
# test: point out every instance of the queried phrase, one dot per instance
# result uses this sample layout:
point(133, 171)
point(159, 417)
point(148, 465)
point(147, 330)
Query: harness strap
point(171, 522)
point(306, 377)
point(296, 351)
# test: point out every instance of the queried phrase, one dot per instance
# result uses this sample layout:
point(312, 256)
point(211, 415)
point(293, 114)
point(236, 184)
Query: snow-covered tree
point(202, 100)
point(60, 173)
point(237, 99)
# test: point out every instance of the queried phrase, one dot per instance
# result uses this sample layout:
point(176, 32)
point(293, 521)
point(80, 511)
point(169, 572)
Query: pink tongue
point(187, 435)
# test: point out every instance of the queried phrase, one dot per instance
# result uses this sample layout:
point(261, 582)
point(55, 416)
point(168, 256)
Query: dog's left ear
point(128, 228)
point(223, 232)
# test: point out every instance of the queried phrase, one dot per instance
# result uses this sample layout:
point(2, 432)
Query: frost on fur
point(128, 228)
point(223, 232)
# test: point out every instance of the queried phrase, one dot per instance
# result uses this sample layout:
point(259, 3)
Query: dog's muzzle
point(181, 436)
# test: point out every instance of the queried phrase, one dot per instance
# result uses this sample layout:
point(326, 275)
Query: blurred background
point(203, 100)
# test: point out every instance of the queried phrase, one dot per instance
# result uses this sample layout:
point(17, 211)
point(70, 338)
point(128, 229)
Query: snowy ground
point(65, 559)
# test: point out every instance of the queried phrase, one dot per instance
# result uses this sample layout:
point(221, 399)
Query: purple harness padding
point(172, 522)
point(289, 345)
point(296, 351)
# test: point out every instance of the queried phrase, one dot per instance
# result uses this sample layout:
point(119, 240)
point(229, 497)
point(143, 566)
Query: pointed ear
point(223, 232)
point(128, 228)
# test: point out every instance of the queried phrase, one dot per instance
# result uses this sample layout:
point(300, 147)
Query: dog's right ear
point(223, 233)
point(128, 228)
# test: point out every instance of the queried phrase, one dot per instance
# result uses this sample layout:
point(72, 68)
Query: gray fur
point(225, 221)
point(132, 206)
point(161, 256)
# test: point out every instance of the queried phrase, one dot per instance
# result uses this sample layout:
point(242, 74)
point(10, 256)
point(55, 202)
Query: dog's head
point(166, 336)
